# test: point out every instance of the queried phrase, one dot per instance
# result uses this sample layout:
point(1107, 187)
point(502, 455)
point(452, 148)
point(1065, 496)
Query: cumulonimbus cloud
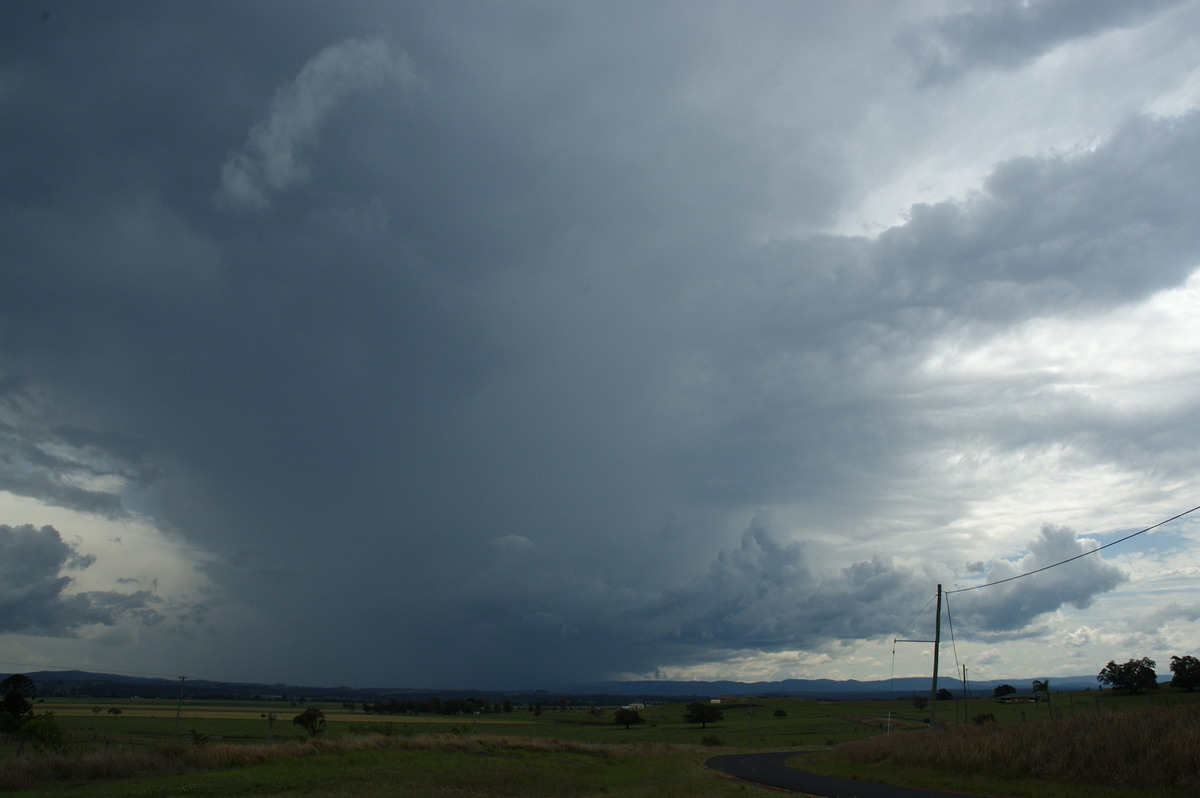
point(273, 158)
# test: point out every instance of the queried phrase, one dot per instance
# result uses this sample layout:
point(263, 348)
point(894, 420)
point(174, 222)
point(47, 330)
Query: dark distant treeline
point(433, 705)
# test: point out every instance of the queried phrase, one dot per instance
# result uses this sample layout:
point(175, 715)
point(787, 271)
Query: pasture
point(158, 747)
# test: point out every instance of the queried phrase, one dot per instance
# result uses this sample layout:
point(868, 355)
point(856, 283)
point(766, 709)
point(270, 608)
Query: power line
point(1077, 556)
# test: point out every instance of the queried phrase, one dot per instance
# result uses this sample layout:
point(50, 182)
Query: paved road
point(770, 769)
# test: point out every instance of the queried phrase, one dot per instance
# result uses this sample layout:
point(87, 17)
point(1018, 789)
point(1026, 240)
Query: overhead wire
point(953, 645)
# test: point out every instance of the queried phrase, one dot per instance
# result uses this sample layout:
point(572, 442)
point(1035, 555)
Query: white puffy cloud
point(1022, 600)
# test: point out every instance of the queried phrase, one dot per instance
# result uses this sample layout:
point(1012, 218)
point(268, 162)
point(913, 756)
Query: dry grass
point(37, 771)
point(1145, 748)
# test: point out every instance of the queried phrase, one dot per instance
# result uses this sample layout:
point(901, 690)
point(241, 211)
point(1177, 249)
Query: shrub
point(44, 733)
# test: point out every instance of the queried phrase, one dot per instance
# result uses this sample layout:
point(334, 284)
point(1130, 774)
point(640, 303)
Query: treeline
point(433, 705)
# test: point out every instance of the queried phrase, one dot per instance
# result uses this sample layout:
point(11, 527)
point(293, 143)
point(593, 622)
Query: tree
point(945, 695)
point(1185, 672)
point(1003, 690)
point(1042, 686)
point(312, 720)
point(920, 701)
point(628, 717)
point(44, 733)
point(15, 707)
point(1134, 675)
point(704, 714)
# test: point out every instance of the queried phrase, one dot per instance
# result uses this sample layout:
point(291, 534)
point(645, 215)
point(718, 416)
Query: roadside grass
point(1138, 751)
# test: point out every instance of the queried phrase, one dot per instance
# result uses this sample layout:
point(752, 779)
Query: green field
point(156, 747)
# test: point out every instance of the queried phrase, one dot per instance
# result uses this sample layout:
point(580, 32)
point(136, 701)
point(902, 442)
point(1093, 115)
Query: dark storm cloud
point(998, 33)
point(274, 158)
point(34, 584)
point(763, 595)
point(492, 341)
point(54, 463)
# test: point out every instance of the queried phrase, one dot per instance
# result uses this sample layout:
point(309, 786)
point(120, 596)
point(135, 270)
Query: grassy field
point(1118, 747)
point(231, 748)
point(746, 725)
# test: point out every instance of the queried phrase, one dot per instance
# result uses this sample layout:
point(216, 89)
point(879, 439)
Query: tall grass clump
point(1156, 747)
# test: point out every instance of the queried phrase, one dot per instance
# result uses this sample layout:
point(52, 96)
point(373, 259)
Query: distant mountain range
point(83, 683)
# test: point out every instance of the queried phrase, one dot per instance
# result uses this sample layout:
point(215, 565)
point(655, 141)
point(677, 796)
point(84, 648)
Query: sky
point(513, 345)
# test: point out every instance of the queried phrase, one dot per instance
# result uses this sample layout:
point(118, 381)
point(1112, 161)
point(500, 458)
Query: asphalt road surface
point(770, 769)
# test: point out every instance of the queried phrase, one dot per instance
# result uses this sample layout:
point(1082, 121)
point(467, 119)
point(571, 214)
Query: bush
point(44, 733)
point(711, 740)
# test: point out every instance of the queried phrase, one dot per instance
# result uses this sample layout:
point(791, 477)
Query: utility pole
point(179, 707)
point(966, 694)
point(937, 642)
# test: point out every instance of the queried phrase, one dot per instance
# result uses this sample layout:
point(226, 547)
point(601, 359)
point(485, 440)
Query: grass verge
point(1126, 755)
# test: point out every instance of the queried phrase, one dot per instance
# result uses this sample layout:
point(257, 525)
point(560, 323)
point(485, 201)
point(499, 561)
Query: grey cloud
point(33, 587)
point(842, 326)
point(763, 595)
point(273, 159)
point(46, 486)
point(1003, 34)
point(492, 333)
point(52, 463)
point(1058, 232)
point(1175, 611)
point(1012, 607)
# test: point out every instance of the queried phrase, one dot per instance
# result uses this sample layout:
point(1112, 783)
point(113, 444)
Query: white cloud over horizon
point(611, 340)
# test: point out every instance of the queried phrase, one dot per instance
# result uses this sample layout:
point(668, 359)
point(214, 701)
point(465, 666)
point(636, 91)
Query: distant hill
point(824, 688)
point(106, 685)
